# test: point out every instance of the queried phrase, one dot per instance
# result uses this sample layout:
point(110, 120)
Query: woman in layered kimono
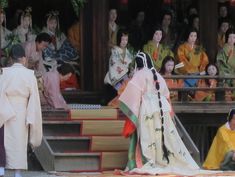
point(20, 111)
point(156, 50)
point(209, 95)
point(5, 33)
point(168, 69)
point(119, 61)
point(24, 29)
point(5, 40)
point(113, 27)
point(155, 145)
point(226, 61)
point(192, 56)
point(51, 85)
point(60, 49)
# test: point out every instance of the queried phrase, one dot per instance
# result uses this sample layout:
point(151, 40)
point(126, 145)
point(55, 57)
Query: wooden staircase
point(85, 140)
point(89, 140)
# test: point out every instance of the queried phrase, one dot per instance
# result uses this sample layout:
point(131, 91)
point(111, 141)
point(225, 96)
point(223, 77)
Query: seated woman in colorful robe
point(222, 151)
point(24, 29)
point(168, 69)
point(7, 40)
point(5, 33)
point(226, 61)
point(192, 56)
point(200, 95)
point(156, 50)
point(224, 24)
point(60, 48)
point(112, 28)
point(119, 61)
point(51, 82)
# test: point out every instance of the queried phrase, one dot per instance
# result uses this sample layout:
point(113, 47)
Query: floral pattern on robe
point(118, 65)
point(140, 103)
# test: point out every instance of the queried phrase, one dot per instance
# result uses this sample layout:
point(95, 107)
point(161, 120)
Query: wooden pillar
point(94, 44)
point(208, 14)
point(100, 42)
point(86, 70)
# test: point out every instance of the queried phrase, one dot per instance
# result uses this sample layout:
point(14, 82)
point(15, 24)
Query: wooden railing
point(219, 90)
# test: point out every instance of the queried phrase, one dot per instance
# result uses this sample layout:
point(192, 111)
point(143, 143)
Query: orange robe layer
point(194, 59)
point(172, 83)
point(205, 95)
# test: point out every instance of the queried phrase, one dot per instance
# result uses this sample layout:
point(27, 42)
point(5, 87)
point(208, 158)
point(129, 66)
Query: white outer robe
point(20, 113)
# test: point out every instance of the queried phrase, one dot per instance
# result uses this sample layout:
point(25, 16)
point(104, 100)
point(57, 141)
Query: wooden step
point(102, 127)
point(77, 161)
point(61, 128)
point(55, 161)
point(114, 160)
point(55, 114)
point(109, 143)
point(98, 114)
point(68, 144)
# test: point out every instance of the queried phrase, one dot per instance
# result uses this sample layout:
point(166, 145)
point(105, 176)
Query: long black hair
point(143, 60)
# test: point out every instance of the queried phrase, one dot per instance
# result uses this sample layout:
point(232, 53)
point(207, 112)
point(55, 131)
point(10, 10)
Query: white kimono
point(20, 113)
point(118, 66)
point(142, 106)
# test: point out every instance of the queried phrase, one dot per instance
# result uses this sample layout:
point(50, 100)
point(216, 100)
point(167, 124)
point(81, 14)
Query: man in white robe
point(20, 111)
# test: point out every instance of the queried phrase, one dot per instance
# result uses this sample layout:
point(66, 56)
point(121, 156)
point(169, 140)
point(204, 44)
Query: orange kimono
point(173, 83)
point(194, 59)
point(201, 95)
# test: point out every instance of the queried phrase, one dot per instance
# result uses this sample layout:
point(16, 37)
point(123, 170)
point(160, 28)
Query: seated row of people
point(191, 58)
point(60, 48)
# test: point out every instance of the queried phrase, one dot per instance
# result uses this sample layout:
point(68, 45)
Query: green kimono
point(157, 53)
point(226, 64)
point(226, 60)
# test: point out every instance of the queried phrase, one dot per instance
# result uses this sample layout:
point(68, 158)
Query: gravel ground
point(10, 173)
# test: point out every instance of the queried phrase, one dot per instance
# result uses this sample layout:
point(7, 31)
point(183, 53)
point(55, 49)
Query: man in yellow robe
point(222, 152)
